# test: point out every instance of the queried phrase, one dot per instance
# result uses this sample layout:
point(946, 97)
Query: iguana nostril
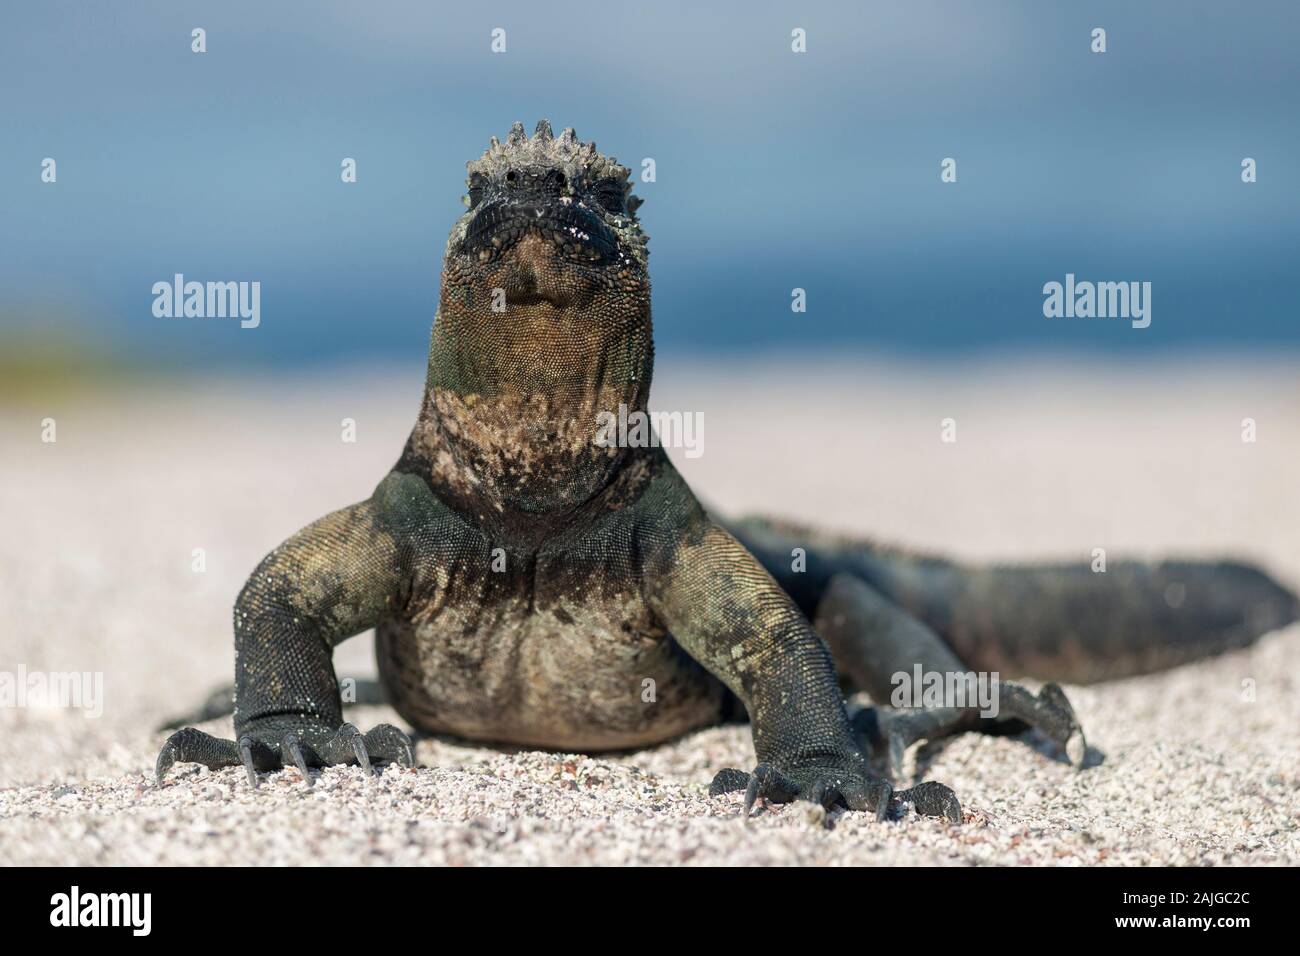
point(512, 177)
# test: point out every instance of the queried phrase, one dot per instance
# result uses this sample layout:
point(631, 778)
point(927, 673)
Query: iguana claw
point(359, 750)
point(246, 755)
point(291, 746)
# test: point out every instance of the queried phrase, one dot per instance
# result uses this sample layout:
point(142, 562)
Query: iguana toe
point(728, 780)
point(1076, 745)
point(385, 742)
point(190, 745)
point(873, 796)
point(768, 783)
point(933, 800)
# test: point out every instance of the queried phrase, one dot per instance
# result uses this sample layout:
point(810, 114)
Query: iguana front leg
point(335, 578)
point(728, 613)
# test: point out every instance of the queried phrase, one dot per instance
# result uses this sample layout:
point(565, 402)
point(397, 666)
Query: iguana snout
point(569, 225)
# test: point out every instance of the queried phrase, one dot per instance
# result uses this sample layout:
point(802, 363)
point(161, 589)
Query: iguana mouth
point(577, 232)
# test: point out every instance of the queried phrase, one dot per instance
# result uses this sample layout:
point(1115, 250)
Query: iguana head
point(543, 323)
point(555, 188)
point(544, 277)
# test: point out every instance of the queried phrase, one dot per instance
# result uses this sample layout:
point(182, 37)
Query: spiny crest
point(581, 162)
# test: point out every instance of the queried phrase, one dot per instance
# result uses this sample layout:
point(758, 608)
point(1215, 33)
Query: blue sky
point(774, 170)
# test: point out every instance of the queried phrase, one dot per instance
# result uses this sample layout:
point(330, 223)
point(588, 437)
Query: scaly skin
point(525, 581)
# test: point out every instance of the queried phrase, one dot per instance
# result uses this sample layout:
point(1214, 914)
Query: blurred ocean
point(774, 170)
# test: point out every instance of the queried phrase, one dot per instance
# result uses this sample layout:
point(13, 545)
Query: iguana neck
point(508, 426)
point(564, 353)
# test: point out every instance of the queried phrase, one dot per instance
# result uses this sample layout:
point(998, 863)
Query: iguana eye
point(610, 196)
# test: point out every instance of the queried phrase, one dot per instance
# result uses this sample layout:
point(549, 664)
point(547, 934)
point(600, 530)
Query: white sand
point(95, 575)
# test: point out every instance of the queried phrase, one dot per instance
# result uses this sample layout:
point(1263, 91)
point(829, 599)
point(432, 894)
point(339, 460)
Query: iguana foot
point(888, 733)
point(269, 748)
point(1050, 712)
point(831, 787)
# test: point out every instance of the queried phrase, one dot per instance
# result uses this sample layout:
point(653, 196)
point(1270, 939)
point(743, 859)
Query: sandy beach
point(104, 528)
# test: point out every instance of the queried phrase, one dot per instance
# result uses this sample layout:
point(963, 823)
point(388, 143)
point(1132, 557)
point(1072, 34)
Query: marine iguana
point(525, 581)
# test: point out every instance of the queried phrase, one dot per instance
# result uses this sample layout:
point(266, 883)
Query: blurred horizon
point(774, 171)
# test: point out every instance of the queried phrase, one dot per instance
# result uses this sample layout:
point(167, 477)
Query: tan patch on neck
point(533, 452)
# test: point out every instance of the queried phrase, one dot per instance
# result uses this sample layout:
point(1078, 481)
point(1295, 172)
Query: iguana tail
point(1052, 622)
